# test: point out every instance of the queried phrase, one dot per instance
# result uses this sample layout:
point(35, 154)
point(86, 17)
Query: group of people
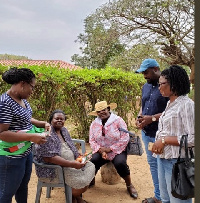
point(165, 115)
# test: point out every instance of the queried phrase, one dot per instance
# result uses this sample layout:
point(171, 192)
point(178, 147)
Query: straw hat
point(102, 105)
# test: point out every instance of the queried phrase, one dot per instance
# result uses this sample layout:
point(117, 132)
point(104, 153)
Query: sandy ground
point(101, 192)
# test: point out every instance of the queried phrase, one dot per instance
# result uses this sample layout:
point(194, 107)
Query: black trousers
point(120, 163)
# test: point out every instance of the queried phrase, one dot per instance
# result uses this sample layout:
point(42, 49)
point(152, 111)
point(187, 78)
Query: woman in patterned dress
point(59, 149)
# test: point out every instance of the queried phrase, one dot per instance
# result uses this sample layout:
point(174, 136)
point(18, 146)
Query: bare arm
point(63, 162)
point(40, 124)
point(146, 120)
point(158, 146)
point(9, 136)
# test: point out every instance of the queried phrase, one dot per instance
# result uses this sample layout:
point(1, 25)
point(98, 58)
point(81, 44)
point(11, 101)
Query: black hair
point(15, 75)
point(178, 79)
point(54, 112)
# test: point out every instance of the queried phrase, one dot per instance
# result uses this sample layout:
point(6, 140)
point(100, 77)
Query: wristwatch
point(153, 118)
point(163, 140)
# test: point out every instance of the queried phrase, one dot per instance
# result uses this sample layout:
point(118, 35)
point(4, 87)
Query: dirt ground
point(101, 192)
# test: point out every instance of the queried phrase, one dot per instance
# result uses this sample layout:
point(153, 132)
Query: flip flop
point(151, 200)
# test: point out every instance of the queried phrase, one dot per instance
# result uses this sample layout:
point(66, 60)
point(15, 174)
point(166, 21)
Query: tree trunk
point(192, 67)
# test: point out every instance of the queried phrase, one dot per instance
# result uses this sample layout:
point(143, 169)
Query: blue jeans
point(164, 175)
point(15, 174)
point(152, 161)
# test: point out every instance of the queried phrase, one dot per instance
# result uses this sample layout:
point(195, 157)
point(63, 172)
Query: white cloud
point(43, 29)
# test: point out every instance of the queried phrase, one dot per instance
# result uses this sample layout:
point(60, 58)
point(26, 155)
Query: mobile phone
point(140, 122)
point(150, 145)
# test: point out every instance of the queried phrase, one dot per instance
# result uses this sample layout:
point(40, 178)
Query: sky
point(43, 29)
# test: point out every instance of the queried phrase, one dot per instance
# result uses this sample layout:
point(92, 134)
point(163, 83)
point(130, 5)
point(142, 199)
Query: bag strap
point(126, 131)
point(184, 142)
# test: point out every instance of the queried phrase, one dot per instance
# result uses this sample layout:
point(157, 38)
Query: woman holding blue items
point(17, 134)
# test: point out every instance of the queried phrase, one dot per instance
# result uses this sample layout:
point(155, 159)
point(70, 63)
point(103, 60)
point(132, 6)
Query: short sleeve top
point(12, 113)
point(16, 116)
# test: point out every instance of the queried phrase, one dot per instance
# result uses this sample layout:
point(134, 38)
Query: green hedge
point(71, 91)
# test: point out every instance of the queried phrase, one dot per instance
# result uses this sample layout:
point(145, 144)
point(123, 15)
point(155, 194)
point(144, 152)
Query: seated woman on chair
point(59, 149)
point(109, 144)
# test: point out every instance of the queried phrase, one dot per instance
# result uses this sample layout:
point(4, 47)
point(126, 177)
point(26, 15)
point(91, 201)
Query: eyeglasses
point(162, 83)
point(33, 87)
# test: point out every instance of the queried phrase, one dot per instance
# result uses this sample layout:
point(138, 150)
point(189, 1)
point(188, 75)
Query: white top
point(176, 120)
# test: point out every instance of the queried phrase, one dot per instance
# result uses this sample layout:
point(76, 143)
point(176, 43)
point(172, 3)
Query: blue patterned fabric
point(50, 149)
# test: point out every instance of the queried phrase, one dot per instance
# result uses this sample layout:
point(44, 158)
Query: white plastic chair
point(60, 178)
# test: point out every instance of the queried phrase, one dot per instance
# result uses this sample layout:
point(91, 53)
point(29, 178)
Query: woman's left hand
point(104, 155)
point(47, 127)
point(104, 149)
point(158, 147)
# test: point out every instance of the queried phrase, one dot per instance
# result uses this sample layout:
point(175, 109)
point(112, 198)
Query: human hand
point(104, 149)
point(104, 155)
point(158, 147)
point(138, 121)
point(144, 121)
point(38, 138)
point(47, 127)
point(78, 165)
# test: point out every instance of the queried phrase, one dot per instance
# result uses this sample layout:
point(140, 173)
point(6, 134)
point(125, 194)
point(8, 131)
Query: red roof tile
point(56, 63)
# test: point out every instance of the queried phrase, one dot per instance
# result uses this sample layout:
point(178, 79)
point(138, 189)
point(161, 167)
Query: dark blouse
point(152, 103)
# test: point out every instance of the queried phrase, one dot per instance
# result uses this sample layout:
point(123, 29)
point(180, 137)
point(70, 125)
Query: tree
point(12, 57)
point(100, 44)
point(168, 24)
point(130, 59)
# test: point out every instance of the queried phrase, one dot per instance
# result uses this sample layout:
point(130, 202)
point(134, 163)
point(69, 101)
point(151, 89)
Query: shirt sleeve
point(49, 149)
point(121, 144)
point(92, 138)
point(187, 116)
point(6, 115)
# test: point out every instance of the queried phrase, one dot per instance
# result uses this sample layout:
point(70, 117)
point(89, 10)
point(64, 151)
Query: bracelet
point(163, 140)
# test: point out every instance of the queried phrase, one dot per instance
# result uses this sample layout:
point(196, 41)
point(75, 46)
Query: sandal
point(151, 200)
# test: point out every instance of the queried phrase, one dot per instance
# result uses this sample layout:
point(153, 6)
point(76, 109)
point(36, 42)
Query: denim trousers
point(15, 174)
point(152, 161)
point(165, 174)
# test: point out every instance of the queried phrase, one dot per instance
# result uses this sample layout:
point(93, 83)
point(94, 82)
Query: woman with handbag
point(176, 120)
point(109, 143)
